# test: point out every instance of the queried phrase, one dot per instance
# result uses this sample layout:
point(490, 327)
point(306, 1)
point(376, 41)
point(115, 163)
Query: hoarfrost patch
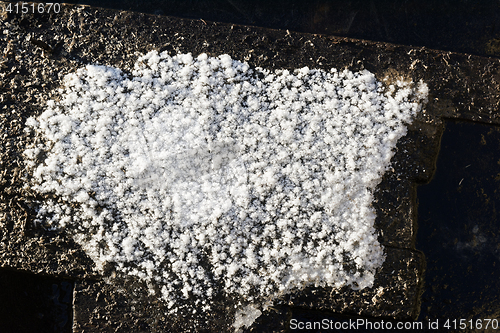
point(203, 176)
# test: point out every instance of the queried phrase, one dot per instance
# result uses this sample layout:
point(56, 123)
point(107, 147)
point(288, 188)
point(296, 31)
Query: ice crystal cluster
point(203, 175)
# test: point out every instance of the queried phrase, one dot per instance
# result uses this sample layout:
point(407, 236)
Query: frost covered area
point(203, 175)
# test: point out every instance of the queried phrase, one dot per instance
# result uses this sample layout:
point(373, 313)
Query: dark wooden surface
point(461, 87)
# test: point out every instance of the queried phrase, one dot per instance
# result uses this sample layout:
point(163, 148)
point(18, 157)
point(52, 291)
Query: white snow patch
point(203, 174)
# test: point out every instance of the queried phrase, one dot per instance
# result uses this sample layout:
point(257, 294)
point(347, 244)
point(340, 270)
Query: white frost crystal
point(246, 316)
point(202, 174)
